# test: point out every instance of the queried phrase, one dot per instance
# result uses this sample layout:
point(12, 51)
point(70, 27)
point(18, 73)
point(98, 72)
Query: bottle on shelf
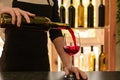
point(62, 12)
point(71, 15)
point(101, 14)
point(91, 60)
point(36, 23)
point(81, 14)
point(82, 63)
point(102, 60)
point(90, 15)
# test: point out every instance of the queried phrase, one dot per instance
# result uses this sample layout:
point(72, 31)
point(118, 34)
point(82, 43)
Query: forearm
point(58, 42)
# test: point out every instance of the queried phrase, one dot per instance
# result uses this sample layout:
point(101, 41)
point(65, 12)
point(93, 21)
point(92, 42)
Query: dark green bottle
point(62, 12)
point(90, 15)
point(71, 16)
point(36, 23)
point(101, 14)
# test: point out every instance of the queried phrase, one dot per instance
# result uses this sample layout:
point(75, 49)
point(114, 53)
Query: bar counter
point(114, 75)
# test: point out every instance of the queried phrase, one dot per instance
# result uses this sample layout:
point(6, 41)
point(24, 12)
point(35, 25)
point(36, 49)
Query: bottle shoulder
point(102, 54)
point(62, 7)
point(91, 54)
point(90, 5)
point(71, 6)
point(81, 5)
point(101, 6)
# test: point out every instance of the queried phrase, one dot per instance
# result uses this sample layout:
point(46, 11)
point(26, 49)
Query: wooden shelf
point(107, 36)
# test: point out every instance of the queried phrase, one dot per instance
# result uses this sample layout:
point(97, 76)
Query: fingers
point(66, 71)
point(13, 17)
point(19, 13)
point(26, 15)
point(78, 73)
point(83, 75)
point(16, 14)
point(9, 11)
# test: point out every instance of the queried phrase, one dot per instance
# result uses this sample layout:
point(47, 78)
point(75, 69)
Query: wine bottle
point(82, 60)
point(102, 60)
point(90, 15)
point(101, 14)
point(62, 12)
point(81, 14)
point(36, 23)
point(91, 60)
point(71, 16)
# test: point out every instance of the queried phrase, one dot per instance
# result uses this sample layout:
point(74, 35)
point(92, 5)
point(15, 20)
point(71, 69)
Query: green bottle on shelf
point(90, 15)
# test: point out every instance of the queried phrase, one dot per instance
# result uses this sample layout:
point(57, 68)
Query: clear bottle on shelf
point(82, 61)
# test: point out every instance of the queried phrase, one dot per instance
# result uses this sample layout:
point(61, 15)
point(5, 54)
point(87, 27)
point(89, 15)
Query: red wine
point(71, 50)
point(73, 35)
point(62, 12)
point(101, 14)
point(90, 15)
point(71, 16)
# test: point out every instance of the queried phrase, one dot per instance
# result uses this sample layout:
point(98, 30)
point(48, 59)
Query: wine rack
point(76, 3)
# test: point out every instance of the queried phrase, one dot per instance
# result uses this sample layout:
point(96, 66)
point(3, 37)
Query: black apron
point(26, 50)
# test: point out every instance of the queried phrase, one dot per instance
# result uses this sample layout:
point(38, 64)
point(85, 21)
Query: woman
point(26, 50)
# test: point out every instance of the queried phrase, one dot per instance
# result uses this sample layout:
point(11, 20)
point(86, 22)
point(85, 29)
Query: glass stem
point(72, 60)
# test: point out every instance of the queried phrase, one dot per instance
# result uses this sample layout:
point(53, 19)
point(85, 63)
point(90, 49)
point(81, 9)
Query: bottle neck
point(101, 1)
point(71, 2)
point(91, 48)
point(81, 49)
point(61, 2)
point(102, 48)
point(80, 1)
point(55, 25)
point(90, 1)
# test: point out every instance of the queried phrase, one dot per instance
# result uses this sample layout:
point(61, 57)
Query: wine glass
point(71, 45)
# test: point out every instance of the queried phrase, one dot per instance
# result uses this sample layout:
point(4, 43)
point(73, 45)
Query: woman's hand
point(16, 14)
point(78, 73)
